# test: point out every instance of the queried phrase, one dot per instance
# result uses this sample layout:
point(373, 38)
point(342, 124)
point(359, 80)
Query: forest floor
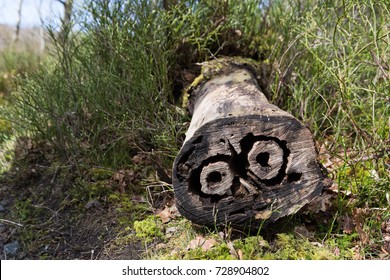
point(52, 211)
point(46, 214)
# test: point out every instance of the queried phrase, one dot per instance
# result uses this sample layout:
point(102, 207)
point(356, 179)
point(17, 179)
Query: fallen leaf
point(119, 177)
point(165, 215)
point(240, 254)
point(359, 216)
point(168, 214)
point(321, 203)
point(336, 251)
point(232, 251)
point(303, 232)
point(386, 236)
point(335, 189)
point(208, 244)
point(200, 242)
point(195, 243)
point(356, 253)
point(347, 224)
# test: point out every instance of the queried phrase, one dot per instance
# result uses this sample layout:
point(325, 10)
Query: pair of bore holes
point(262, 159)
point(215, 177)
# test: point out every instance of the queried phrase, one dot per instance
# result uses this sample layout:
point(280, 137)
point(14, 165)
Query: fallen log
point(244, 161)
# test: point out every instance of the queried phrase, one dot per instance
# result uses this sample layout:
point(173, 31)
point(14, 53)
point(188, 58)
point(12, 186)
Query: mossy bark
point(244, 161)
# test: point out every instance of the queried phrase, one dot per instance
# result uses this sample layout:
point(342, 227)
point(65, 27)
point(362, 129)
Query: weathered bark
point(244, 161)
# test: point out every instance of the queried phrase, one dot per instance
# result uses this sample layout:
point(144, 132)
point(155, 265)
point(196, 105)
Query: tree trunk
point(244, 161)
point(66, 20)
point(68, 7)
point(18, 22)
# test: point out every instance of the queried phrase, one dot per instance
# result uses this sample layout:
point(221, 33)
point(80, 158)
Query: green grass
point(16, 60)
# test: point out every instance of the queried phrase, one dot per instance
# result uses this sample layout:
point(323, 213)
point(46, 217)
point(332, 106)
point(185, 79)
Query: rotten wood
point(244, 161)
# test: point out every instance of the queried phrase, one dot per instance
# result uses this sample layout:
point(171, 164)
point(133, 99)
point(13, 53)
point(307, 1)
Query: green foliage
point(330, 68)
point(148, 229)
point(288, 247)
point(18, 60)
point(219, 252)
point(252, 247)
point(108, 88)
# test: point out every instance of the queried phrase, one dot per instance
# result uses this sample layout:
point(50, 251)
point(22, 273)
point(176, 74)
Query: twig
point(10, 222)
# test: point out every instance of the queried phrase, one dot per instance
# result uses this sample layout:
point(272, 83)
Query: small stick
point(10, 222)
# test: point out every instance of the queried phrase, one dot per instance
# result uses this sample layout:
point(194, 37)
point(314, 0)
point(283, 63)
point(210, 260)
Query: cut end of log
point(244, 161)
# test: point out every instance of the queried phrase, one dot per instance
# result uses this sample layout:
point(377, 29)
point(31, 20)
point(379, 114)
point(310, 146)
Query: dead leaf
point(347, 224)
point(321, 203)
point(334, 189)
point(356, 253)
point(165, 215)
point(200, 242)
point(168, 214)
point(386, 236)
point(263, 215)
point(359, 216)
point(232, 251)
point(318, 244)
point(208, 244)
point(240, 254)
point(325, 157)
point(119, 177)
point(336, 251)
point(195, 243)
point(304, 232)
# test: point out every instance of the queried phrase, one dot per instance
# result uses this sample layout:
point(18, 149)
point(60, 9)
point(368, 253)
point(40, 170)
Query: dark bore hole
point(294, 177)
point(198, 140)
point(262, 159)
point(214, 177)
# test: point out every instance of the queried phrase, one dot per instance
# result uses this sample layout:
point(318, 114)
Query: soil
point(45, 214)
